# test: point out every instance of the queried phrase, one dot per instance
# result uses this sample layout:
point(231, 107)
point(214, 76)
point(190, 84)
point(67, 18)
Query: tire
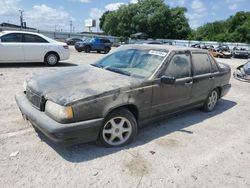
point(51, 59)
point(98, 51)
point(106, 50)
point(79, 50)
point(114, 133)
point(87, 49)
point(211, 101)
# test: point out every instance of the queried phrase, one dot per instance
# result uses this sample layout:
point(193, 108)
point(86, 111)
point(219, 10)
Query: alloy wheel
point(117, 131)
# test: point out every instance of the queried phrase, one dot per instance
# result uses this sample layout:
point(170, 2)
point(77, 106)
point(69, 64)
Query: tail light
point(65, 46)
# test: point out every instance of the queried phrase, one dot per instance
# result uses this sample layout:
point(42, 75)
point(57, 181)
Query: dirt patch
point(137, 166)
point(168, 142)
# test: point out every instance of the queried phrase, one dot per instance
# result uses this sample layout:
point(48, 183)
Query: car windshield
point(133, 62)
point(86, 39)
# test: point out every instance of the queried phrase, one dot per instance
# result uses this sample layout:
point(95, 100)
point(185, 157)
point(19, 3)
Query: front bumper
point(241, 55)
point(225, 89)
point(69, 133)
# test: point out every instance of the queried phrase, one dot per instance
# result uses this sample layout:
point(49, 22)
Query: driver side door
point(168, 98)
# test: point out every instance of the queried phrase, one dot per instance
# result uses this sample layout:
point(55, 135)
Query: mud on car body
point(110, 99)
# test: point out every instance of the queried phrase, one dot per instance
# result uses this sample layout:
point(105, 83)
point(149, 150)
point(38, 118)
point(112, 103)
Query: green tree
point(235, 29)
point(153, 17)
point(181, 28)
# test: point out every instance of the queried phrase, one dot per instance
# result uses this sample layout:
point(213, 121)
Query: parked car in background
point(72, 41)
point(19, 46)
point(207, 47)
point(220, 54)
point(240, 52)
point(196, 46)
point(135, 84)
point(223, 48)
point(243, 72)
point(94, 44)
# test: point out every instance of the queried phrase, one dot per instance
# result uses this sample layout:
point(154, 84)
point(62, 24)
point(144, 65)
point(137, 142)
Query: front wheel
point(87, 49)
point(119, 128)
point(211, 101)
point(106, 50)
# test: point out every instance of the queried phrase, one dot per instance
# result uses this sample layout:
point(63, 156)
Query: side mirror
point(168, 80)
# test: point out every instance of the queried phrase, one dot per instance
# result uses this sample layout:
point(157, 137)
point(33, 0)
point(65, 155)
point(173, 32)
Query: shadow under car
point(85, 152)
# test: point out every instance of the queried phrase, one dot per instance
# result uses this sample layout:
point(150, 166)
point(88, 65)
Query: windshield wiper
point(118, 71)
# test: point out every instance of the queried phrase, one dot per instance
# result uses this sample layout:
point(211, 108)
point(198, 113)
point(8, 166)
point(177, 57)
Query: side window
point(28, 38)
point(214, 67)
point(12, 38)
point(106, 41)
point(179, 66)
point(201, 63)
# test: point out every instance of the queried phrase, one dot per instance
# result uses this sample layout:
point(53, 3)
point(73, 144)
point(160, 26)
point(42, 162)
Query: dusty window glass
point(138, 62)
point(214, 67)
point(201, 63)
point(179, 66)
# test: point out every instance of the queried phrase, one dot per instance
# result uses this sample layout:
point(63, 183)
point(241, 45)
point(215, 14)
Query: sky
point(57, 14)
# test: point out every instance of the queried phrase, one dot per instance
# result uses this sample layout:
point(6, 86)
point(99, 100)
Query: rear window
point(214, 67)
point(105, 41)
point(28, 38)
point(201, 63)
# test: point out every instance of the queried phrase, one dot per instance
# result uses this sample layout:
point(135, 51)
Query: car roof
point(166, 47)
point(27, 32)
point(22, 32)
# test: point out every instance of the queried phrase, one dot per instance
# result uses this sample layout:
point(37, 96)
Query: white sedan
point(19, 46)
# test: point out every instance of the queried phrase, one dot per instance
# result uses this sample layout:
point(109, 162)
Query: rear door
point(34, 47)
point(170, 98)
point(11, 48)
point(203, 79)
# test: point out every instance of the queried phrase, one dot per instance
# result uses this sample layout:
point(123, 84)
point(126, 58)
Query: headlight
point(58, 112)
point(25, 85)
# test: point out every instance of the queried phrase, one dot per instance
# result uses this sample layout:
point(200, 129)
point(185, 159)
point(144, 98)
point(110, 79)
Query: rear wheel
point(211, 101)
point(119, 128)
point(51, 59)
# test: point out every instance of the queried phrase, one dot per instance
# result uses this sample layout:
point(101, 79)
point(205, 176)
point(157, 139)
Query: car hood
point(243, 72)
point(81, 83)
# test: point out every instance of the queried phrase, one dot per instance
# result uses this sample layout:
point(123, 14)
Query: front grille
point(36, 100)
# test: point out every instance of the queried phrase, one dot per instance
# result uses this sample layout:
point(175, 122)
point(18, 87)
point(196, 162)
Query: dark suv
point(94, 44)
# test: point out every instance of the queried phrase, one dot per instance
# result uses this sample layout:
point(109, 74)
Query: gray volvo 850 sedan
point(135, 84)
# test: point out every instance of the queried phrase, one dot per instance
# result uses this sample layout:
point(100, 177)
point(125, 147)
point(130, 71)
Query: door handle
point(190, 82)
point(211, 77)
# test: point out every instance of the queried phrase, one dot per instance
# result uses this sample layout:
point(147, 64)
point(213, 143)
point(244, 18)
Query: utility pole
point(71, 26)
point(21, 18)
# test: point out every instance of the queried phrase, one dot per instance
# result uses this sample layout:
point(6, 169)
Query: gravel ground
point(193, 149)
